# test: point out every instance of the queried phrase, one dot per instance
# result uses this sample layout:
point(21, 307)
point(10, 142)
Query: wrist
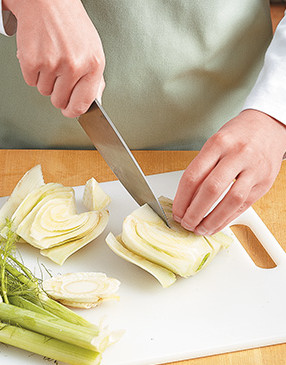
point(257, 114)
point(14, 6)
point(271, 126)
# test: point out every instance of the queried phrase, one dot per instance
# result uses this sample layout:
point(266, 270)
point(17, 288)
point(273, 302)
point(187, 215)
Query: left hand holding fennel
point(248, 149)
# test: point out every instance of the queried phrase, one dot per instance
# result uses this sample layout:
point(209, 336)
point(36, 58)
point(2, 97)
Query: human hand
point(248, 149)
point(60, 52)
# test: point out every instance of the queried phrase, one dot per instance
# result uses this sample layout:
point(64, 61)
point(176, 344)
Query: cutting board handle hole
point(252, 246)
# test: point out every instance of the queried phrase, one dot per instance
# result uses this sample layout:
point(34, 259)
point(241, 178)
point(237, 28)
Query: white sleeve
point(8, 22)
point(269, 92)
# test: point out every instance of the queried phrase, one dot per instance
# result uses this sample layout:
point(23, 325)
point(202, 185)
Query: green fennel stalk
point(30, 320)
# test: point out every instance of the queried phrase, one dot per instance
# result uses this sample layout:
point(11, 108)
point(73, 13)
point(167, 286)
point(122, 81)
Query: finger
point(235, 200)
point(255, 193)
point(193, 176)
point(210, 190)
point(30, 75)
point(45, 83)
point(83, 94)
point(63, 87)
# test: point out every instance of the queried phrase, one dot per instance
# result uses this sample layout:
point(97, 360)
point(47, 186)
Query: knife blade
point(110, 144)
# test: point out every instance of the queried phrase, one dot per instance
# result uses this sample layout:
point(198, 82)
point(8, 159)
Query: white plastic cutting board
point(231, 305)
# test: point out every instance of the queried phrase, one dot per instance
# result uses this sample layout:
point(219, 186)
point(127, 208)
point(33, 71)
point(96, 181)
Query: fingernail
point(201, 231)
point(177, 219)
point(187, 226)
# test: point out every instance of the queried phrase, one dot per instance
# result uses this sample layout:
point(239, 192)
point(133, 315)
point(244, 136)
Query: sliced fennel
point(60, 253)
point(30, 181)
point(81, 289)
point(94, 198)
point(150, 244)
point(164, 276)
point(45, 215)
point(34, 198)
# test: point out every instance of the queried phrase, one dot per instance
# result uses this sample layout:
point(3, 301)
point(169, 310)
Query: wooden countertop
point(74, 168)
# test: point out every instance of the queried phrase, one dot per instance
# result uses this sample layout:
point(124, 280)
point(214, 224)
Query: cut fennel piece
point(181, 252)
point(164, 276)
point(94, 197)
point(45, 215)
point(60, 253)
point(81, 289)
point(30, 181)
point(33, 198)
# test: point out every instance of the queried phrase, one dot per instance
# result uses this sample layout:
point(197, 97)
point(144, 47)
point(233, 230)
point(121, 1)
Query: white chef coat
point(8, 22)
point(269, 92)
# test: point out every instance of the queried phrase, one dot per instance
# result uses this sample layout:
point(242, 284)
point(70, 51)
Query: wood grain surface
point(74, 168)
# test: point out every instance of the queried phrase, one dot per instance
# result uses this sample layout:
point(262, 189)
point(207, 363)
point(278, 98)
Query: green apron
point(176, 71)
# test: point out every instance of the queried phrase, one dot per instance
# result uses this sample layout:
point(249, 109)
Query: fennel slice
point(30, 181)
point(81, 289)
point(163, 275)
point(60, 253)
point(94, 198)
point(85, 305)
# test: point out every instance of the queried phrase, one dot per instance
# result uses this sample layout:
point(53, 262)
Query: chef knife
point(108, 141)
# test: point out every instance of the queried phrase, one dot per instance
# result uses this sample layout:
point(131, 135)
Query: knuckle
point(243, 207)
point(222, 139)
point(213, 187)
point(30, 80)
point(249, 150)
point(266, 183)
point(48, 64)
point(45, 92)
point(67, 113)
point(29, 63)
point(57, 102)
point(79, 109)
point(30, 66)
point(237, 197)
point(97, 64)
point(191, 178)
point(72, 65)
point(79, 65)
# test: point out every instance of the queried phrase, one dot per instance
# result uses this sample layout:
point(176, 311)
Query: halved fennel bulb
point(45, 216)
point(81, 289)
point(164, 252)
